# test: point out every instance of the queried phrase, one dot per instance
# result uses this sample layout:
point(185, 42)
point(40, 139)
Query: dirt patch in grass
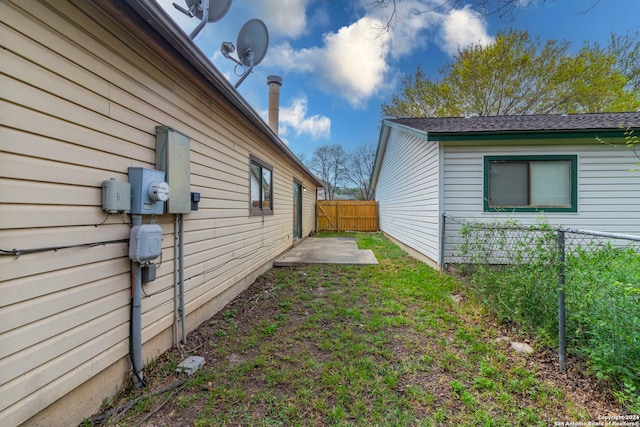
point(392, 344)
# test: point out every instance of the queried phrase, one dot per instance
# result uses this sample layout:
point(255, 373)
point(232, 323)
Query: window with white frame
point(531, 183)
point(261, 188)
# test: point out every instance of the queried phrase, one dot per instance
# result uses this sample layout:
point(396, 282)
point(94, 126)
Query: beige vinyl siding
point(81, 102)
point(407, 192)
point(608, 189)
point(308, 209)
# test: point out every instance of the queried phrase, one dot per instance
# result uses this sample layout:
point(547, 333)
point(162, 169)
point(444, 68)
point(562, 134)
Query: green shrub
point(603, 320)
point(515, 273)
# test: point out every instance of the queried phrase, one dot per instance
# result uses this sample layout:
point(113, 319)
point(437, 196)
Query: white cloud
point(352, 63)
point(283, 17)
point(461, 28)
point(416, 21)
point(355, 62)
point(285, 57)
point(355, 59)
point(408, 23)
point(294, 120)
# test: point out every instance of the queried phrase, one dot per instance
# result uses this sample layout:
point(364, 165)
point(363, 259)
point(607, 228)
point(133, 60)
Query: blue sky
point(339, 67)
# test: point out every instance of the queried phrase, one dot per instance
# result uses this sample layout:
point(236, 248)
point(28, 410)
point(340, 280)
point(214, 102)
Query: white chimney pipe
point(274, 83)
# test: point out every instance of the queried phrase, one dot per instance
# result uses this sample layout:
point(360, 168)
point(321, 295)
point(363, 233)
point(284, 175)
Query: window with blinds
point(530, 183)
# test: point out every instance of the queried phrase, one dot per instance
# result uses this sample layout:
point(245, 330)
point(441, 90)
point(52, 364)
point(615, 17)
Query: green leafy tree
point(421, 97)
point(593, 83)
point(511, 76)
point(626, 49)
point(516, 75)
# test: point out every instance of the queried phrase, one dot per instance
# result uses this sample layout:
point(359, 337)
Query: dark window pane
point(508, 184)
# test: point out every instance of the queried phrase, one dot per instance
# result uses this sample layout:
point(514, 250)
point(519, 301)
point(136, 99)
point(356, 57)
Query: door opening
point(297, 210)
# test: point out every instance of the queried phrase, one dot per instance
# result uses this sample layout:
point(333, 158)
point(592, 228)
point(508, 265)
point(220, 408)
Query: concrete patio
point(331, 250)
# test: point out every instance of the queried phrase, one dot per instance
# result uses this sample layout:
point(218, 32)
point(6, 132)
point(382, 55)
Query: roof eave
point(380, 150)
point(520, 134)
point(385, 130)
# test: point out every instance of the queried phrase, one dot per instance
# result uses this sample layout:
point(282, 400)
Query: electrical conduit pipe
point(135, 333)
point(182, 314)
point(176, 289)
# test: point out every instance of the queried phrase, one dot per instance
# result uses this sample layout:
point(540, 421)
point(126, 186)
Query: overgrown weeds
point(514, 270)
point(603, 304)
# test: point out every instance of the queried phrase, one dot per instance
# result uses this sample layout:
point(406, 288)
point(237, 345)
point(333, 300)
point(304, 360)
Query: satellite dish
point(217, 9)
point(205, 10)
point(253, 42)
point(253, 36)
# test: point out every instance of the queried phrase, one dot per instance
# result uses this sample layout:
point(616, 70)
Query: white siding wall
point(407, 193)
point(81, 99)
point(608, 191)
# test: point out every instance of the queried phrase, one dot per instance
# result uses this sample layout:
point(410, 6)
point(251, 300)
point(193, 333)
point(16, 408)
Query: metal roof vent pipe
point(274, 83)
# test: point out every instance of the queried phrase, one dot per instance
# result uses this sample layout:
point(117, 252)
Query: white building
point(507, 167)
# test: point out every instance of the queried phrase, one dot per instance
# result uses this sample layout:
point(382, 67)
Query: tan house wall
point(81, 100)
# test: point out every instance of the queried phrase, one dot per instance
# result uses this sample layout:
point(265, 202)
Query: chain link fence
point(577, 289)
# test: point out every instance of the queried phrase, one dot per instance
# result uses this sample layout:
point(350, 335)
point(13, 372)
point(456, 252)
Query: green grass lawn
point(375, 345)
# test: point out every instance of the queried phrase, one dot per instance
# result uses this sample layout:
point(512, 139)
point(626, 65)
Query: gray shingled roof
point(497, 124)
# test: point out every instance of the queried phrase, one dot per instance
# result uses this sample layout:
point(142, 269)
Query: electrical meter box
point(116, 196)
point(173, 157)
point(149, 191)
point(145, 242)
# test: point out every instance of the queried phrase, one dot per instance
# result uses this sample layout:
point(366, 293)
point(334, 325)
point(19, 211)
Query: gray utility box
point(116, 196)
point(141, 201)
point(145, 242)
point(173, 157)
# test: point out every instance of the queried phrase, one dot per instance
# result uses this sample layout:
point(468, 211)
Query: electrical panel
point(116, 196)
point(145, 242)
point(173, 157)
point(149, 191)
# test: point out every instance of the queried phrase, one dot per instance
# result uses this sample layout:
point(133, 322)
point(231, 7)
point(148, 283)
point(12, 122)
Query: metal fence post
point(562, 313)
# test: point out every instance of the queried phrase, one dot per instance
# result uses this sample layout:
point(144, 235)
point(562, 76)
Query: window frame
point(572, 158)
point(260, 210)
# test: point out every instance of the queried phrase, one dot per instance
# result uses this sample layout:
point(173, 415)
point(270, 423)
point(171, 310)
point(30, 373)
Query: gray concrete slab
point(330, 250)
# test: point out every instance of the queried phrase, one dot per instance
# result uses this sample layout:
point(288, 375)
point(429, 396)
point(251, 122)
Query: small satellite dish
point(205, 10)
point(253, 36)
point(253, 42)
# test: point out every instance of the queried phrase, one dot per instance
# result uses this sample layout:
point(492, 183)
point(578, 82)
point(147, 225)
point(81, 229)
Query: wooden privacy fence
point(347, 215)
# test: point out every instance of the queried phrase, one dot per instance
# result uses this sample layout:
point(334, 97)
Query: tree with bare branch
point(329, 164)
point(505, 10)
point(360, 161)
